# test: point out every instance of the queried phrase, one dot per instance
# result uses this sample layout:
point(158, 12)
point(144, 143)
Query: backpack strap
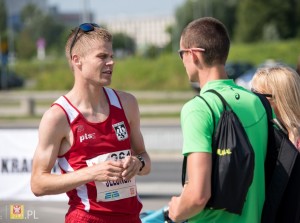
point(184, 163)
point(272, 153)
point(282, 166)
point(225, 105)
point(224, 102)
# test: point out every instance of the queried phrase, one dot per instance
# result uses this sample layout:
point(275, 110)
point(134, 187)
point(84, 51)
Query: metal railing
point(22, 104)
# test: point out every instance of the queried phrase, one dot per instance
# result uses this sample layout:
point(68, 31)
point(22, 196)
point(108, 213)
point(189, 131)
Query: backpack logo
point(121, 131)
point(224, 152)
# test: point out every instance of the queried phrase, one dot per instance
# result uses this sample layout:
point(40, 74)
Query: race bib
point(113, 190)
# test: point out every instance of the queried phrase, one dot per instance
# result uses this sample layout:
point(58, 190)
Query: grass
point(256, 53)
point(164, 73)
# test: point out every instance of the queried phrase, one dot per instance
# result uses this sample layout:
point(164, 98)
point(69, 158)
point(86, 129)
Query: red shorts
point(79, 216)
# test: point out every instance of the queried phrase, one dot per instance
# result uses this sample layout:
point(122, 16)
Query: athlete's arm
point(132, 112)
point(53, 132)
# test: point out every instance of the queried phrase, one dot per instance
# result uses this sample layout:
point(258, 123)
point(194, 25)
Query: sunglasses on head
point(85, 27)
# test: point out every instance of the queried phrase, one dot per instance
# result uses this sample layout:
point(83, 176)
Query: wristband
point(140, 158)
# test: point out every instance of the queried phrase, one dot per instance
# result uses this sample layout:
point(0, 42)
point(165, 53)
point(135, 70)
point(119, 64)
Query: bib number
point(113, 190)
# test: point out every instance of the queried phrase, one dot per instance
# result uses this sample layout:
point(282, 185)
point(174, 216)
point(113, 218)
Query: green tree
point(39, 25)
point(3, 17)
point(225, 11)
point(151, 51)
point(25, 47)
point(267, 20)
point(123, 44)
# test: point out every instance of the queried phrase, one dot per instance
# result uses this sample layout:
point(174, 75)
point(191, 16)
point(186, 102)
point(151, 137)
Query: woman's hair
point(283, 83)
point(210, 34)
point(84, 40)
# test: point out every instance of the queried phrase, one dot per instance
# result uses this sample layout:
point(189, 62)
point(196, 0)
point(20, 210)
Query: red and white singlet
point(95, 143)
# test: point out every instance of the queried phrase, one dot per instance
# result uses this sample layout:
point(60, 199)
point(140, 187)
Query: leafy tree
point(246, 20)
point(53, 32)
point(123, 44)
point(192, 9)
point(39, 25)
point(267, 19)
point(152, 51)
point(283, 16)
point(25, 47)
point(3, 17)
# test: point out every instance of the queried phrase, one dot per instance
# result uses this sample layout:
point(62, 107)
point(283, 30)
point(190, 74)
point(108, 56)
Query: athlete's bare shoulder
point(127, 98)
point(55, 118)
point(130, 106)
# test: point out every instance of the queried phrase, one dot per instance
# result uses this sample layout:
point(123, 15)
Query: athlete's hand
point(131, 166)
point(108, 170)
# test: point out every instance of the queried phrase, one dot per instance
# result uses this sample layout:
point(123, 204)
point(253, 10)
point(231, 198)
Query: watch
point(142, 161)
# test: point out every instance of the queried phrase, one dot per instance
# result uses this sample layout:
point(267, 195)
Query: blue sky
point(119, 8)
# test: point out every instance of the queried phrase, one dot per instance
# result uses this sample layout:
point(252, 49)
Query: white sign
point(17, 147)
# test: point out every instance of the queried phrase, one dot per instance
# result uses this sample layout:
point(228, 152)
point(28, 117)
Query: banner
point(17, 147)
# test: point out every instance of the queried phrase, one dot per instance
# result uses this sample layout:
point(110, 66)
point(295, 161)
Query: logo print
point(87, 136)
point(16, 211)
point(112, 195)
point(224, 152)
point(121, 131)
point(80, 128)
point(132, 191)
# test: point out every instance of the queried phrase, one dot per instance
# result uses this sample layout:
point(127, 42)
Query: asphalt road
point(155, 191)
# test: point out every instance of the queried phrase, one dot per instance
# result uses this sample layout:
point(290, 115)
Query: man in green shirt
point(204, 47)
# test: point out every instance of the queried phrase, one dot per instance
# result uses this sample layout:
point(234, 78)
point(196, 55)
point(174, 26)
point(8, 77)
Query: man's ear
point(196, 57)
point(76, 60)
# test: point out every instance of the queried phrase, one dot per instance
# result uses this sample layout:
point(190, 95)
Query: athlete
point(93, 132)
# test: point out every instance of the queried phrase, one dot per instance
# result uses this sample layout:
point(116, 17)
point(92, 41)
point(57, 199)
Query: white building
point(144, 30)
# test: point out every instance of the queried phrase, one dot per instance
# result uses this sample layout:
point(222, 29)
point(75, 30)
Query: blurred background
point(34, 72)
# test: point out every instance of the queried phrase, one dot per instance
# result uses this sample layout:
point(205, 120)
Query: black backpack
point(232, 161)
point(282, 175)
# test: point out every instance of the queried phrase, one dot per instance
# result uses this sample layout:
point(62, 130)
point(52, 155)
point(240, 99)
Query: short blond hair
point(283, 83)
point(84, 40)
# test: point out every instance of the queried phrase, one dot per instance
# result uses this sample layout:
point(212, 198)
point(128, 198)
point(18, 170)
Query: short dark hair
point(210, 34)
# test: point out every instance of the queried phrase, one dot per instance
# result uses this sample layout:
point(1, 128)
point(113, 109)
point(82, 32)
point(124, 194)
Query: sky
point(109, 9)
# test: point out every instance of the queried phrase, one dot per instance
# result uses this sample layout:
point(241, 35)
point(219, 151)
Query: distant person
point(94, 133)
point(281, 86)
point(204, 48)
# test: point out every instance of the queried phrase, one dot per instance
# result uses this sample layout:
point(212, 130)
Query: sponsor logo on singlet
point(111, 195)
point(121, 131)
point(87, 136)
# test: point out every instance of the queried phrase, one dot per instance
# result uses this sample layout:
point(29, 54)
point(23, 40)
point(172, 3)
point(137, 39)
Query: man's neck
point(211, 74)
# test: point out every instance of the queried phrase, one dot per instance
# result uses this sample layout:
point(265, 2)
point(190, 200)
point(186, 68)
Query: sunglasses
point(181, 52)
point(266, 95)
point(85, 27)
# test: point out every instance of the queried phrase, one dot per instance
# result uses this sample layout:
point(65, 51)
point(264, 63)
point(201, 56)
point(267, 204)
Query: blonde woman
point(281, 86)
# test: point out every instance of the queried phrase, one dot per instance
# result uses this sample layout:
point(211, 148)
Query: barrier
point(14, 103)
